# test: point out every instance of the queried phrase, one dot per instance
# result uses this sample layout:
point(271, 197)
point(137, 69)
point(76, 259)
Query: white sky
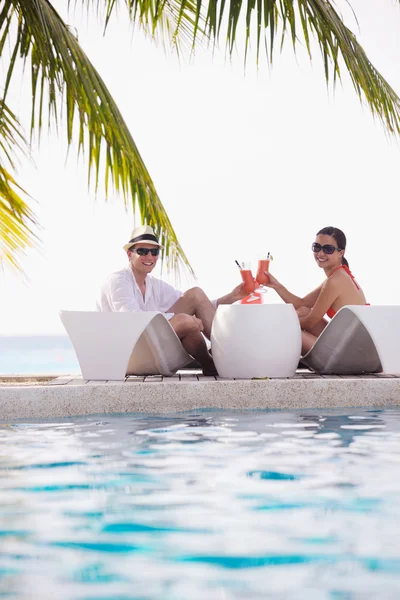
point(244, 163)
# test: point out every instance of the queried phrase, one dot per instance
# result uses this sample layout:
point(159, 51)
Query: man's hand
point(197, 324)
point(236, 294)
point(184, 324)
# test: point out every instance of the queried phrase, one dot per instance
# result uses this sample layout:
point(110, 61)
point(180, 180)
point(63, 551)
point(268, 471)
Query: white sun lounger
point(359, 339)
point(111, 345)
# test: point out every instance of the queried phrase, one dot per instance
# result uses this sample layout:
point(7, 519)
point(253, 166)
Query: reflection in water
point(208, 504)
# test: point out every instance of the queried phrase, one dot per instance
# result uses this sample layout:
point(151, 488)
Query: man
point(133, 289)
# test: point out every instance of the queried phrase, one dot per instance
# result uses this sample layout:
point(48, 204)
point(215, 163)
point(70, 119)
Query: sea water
point(37, 355)
point(216, 505)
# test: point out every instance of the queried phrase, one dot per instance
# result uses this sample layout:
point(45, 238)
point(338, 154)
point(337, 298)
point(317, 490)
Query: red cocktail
point(261, 277)
point(248, 280)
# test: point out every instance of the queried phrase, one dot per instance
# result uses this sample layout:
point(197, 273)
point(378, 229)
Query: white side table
point(261, 340)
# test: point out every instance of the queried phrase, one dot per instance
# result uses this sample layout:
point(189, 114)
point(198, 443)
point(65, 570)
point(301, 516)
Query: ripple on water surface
point(211, 504)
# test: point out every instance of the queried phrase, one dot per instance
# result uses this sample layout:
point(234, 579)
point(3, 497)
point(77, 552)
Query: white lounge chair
point(111, 345)
point(359, 339)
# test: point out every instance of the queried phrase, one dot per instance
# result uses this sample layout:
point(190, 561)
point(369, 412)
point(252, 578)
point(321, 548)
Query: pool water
point(211, 504)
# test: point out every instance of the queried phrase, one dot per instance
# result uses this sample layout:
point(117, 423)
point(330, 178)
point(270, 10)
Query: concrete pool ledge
point(71, 395)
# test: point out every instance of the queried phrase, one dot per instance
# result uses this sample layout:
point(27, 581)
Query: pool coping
point(70, 395)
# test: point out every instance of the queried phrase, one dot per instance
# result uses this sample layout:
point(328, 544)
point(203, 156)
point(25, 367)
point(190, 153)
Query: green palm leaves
point(62, 76)
point(266, 20)
point(336, 42)
point(16, 218)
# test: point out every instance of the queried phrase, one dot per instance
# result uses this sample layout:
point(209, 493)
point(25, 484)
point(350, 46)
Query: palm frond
point(62, 76)
point(316, 19)
point(17, 221)
point(173, 23)
point(264, 20)
point(11, 136)
point(335, 40)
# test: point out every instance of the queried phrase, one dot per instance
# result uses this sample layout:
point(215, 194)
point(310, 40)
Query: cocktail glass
point(249, 285)
point(261, 277)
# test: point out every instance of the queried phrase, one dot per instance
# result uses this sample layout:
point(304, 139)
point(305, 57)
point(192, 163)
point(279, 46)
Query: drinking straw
point(238, 265)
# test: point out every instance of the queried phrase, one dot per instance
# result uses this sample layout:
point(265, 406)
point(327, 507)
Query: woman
point(339, 288)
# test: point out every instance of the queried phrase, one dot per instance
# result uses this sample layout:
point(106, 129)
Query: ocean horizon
point(37, 355)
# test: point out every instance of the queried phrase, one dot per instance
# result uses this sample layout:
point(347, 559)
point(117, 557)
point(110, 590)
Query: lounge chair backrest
point(383, 325)
point(359, 339)
point(111, 345)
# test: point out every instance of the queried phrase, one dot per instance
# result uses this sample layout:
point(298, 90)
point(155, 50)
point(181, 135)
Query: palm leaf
point(11, 136)
point(62, 75)
point(335, 40)
point(17, 220)
point(316, 19)
point(263, 20)
point(169, 22)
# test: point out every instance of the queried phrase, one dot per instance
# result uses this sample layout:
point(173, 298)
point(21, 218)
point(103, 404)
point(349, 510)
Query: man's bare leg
point(188, 329)
point(195, 302)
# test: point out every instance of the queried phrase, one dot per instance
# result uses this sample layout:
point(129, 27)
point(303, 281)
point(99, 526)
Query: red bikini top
point(330, 312)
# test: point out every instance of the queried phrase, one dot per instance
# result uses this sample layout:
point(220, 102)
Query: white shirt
point(121, 293)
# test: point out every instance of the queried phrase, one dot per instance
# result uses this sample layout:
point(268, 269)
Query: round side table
point(262, 340)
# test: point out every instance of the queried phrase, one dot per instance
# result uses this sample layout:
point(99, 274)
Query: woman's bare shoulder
point(339, 277)
point(333, 281)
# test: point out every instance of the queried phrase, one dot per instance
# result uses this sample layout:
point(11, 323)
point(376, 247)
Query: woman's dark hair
point(339, 237)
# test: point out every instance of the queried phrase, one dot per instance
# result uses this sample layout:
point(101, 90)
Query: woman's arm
point(290, 298)
point(328, 294)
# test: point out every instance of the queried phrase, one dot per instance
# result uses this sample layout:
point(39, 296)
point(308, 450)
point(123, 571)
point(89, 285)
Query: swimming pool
point(216, 505)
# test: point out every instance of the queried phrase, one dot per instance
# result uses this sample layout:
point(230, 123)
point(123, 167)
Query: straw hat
point(144, 234)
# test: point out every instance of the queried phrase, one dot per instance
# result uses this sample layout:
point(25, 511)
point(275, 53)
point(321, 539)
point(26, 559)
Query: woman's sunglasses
point(326, 248)
point(145, 251)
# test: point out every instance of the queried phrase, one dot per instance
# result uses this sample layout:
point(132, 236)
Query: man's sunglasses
point(326, 248)
point(145, 251)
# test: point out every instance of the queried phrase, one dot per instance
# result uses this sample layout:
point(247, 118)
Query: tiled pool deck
point(25, 397)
